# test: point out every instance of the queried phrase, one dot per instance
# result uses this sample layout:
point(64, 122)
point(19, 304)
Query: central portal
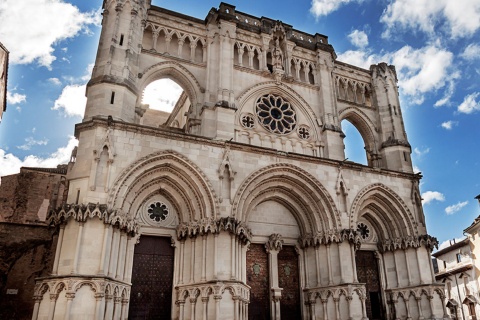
point(367, 272)
point(288, 278)
point(152, 279)
point(258, 280)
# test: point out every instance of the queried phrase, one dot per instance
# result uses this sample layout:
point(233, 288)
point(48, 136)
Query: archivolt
point(385, 209)
point(177, 73)
point(296, 189)
point(168, 172)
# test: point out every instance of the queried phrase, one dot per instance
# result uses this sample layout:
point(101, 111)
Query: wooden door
point(288, 278)
point(367, 272)
point(152, 279)
point(258, 280)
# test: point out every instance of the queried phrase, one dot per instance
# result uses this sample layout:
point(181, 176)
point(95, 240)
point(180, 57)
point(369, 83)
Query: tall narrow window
point(459, 258)
point(112, 97)
point(121, 40)
point(78, 196)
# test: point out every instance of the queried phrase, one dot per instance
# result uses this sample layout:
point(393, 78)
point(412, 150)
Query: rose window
point(247, 121)
point(304, 132)
point(363, 230)
point(157, 211)
point(275, 114)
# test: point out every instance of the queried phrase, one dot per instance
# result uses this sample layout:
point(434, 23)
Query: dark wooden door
point(258, 280)
point(367, 272)
point(288, 278)
point(152, 279)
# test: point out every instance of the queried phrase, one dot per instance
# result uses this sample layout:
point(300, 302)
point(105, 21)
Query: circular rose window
point(364, 231)
point(276, 114)
point(157, 211)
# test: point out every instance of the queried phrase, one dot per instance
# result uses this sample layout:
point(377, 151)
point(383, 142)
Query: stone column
point(181, 304)
point(354, 265)
point(419, 305)
point(204, 303)
point(418, 265)
point(317, 264)
point(324, 305)
point(204, 258)
point(108, 306)
point(117, 311)
point(59, 249)
point(311, 307)
point(193, 301)
point(337, 307)
point(364, 309)
point(217, 298)
point(192, 260)
point(329, 262)
point(37, 299)
point(107, 238)
point(182, 253)
point(100, 304)
point(409, 278)
point(77, 247)
point(70, 296)
point(396, 268)
point(53, 301)
point(273, 247)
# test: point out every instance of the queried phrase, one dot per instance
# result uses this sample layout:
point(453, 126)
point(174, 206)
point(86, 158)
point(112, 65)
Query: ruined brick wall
point(27, 244)
point(27, 252)
point(26, 197)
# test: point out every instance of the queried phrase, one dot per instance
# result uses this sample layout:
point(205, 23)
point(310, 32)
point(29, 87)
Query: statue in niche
point(277, 56)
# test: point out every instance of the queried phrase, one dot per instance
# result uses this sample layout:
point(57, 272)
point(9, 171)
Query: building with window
point(239, 203)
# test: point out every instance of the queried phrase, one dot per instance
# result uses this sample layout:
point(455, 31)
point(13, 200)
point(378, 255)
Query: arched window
point(354, 143)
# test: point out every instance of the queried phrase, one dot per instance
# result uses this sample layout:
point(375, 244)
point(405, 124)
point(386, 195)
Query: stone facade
point(252, 156)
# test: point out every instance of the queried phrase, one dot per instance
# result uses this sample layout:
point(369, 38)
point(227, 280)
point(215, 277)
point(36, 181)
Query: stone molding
point(215, 226)
point(331, 236)
point(274, 243)
point(347, 290)
point(238, 290)
point(82, 212)
point(404, 243)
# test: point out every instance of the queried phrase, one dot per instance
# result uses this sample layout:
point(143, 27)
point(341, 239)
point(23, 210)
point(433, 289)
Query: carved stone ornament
point(275, 243)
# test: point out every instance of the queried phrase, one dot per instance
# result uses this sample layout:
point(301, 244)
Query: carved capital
point(275, 243)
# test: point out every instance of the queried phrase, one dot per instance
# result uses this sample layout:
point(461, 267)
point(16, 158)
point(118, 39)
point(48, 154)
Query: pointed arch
point(174, 175)
point(364, 125)
point(387, 212)
point(175, 72)
point(296, 189)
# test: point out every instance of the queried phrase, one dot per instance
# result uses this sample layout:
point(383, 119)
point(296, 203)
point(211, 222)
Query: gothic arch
point(364, 125)
point(176, 72)
point(174, 175)
point(280, 89)
point(295, 188)
point(382, 207)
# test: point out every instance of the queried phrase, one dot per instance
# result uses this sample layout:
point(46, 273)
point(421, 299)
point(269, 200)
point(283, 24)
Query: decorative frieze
point(425, 240)
point(331, 236)
point(82, 212)
point(215, 226)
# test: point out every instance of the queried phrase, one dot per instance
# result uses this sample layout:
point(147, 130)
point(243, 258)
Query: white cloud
point(15, 98)
point(358, 38)
point(448, 125)
point(460, 18)
point(429, 196)
point(471, 52)
point(55, 81)
point(10, 164)
point(30, 142)
point(24, 23)
point(470, 104)
point(455, 208)
point(72, 100)
point(162, 95)
point(419, 71)
point(324, 7)
point(420, 153)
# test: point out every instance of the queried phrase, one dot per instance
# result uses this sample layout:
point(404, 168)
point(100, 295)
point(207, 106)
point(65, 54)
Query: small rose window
point(157, 211)
point(276, 114)
point(364, 231)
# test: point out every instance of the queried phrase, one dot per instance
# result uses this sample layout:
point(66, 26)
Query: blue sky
point(435, 46)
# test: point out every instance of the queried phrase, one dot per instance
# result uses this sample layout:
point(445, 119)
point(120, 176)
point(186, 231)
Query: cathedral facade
point(239, 204)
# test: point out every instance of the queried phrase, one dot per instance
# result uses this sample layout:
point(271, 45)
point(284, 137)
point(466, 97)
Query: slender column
point(418, 265)
point(342, 279)
point(116, 313)
point(354, 264)
point(193, 45)
point(108, 250)
point(311, 307)
point(59, 249)
point(444, 306)
point(408, 267)
point(77, 247)
point(329, 262)
point(127, 274)
point(113, 252)
point(317, 266)
point(337, 307)
point(430, 300)
point(182, 311)
point(204, 257)
point(105, 243)
point(217, 307)
point(53, 302)
point(349, 306)
point(124, 309)
point(36, 307)
point(70, 296)
point(192, 309)
point(431, 266)
point(305, 265)
point(233, 253)
point(100, 304)
point(409, 317)
point(182, 253)
point(364, 309)
point(121, 260)
point(395, 306)
point(204, 302)
point(192, 260)
point(324, 305)
point(215, 253)
point(419, 305)
point(385, 270)
point(235, 308)
point(109, 306)
point(155, 35)
point(246, 310)
point(396, 269)
point(180, 47)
